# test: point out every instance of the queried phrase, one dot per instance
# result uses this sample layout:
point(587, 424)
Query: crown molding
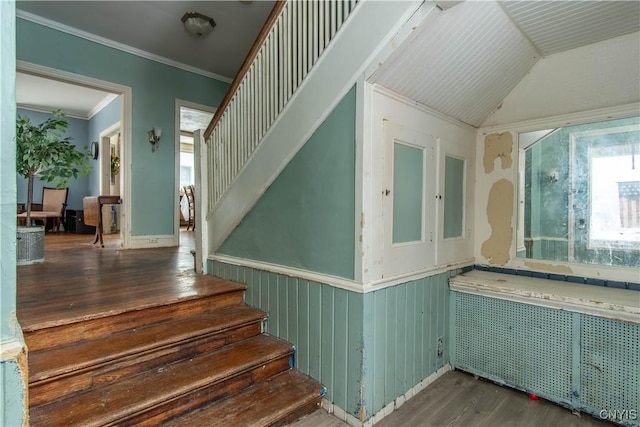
point(116, 45)
point(39, 109)
point(100, 105)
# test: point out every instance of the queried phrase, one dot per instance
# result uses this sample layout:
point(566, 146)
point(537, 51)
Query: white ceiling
point(465, 60)
point(40, 94)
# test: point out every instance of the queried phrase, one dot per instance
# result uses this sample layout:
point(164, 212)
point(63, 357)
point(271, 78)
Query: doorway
point(95, 184)
point(110, 164)
point(190, 118)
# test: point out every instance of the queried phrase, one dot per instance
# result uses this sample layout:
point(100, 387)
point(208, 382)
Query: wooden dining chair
point(189, 191)
point(53, 206)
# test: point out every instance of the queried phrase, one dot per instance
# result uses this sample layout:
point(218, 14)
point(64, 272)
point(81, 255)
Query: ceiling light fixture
point(198, 24)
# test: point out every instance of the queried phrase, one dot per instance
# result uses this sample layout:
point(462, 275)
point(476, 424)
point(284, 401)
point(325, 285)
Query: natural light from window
point(615, 210)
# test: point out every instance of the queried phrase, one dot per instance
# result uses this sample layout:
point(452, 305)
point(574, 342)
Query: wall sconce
point(154, 137)
point(197, 24)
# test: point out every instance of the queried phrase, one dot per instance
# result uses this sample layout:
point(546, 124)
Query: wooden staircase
point(199, 361)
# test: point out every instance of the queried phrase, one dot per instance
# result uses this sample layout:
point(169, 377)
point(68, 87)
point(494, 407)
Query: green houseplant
point(43, 151)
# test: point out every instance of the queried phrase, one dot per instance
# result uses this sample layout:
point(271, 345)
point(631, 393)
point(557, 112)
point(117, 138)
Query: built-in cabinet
point(423, 198)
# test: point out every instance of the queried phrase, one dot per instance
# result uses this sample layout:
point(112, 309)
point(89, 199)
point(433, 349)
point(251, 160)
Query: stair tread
point(140, 299)
point(264, 403)
point(115, 401)
point(48, 363)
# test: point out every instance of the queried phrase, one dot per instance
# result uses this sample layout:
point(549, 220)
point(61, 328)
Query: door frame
point(105, 162)
point(125, 120)
point(200, 175)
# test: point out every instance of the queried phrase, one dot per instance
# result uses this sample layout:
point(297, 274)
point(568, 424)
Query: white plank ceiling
point(463, 61)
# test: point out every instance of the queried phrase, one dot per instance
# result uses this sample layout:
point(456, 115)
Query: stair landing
point(131, 338)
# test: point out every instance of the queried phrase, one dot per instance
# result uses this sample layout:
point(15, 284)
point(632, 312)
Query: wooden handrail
point(253, 52)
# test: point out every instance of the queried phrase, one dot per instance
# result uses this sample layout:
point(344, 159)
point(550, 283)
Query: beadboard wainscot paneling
point(402, 325)
point(323, 322)
point(372, 351)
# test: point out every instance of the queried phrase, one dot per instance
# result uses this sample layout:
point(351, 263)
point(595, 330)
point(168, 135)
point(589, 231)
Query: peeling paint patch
point(362, 412)
point(498, 146)
point(553, 268)
point(500, 215)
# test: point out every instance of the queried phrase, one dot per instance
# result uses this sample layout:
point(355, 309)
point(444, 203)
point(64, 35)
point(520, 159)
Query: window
point(582, 193)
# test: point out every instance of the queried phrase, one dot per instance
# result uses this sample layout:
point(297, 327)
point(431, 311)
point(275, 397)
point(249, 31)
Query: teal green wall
point(306, 218)
point(366, 349)
point(155, 88)
point(12, 384)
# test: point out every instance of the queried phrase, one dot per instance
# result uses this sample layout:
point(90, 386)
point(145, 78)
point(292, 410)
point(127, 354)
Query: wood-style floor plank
point(79, 280)
point(458, 399)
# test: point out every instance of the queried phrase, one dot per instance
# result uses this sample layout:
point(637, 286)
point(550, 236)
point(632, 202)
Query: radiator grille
point(524, 346)
point(610, 361)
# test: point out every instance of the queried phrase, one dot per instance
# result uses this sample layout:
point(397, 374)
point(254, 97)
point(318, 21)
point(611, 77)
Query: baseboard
point(340, 413)
point(153, 241)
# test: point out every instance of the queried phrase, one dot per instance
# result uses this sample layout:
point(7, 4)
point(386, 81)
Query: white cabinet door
point(408, 200)
point(453, 198)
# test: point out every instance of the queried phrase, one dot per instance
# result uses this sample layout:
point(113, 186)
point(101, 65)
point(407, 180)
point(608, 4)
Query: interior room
point(404, 213)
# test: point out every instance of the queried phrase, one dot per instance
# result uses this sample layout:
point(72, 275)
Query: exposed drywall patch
point(498, 146)
point(551, 268)
point(500, 215)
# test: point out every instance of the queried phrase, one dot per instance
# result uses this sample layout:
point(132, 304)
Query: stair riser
point(197, 398)
point(41, 392)
point(94, 328)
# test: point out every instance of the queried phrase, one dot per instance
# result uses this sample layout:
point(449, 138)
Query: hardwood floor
point(79, 280)
point(458, 399)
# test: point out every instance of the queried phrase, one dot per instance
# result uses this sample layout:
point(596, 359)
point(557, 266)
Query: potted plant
point(43, 151)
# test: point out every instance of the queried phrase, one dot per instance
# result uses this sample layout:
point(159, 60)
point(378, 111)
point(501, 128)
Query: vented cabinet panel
point(610, 365)
point(524, 346)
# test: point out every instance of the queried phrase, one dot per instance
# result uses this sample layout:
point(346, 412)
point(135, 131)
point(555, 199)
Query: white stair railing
point(293, 39)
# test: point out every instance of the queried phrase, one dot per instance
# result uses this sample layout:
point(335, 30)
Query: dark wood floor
point(79, 280)
point(458, 399)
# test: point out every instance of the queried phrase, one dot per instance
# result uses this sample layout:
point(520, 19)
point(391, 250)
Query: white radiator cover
point(584, 362)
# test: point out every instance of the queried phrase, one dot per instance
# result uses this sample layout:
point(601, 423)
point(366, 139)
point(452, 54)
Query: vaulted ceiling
point(465, 58)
